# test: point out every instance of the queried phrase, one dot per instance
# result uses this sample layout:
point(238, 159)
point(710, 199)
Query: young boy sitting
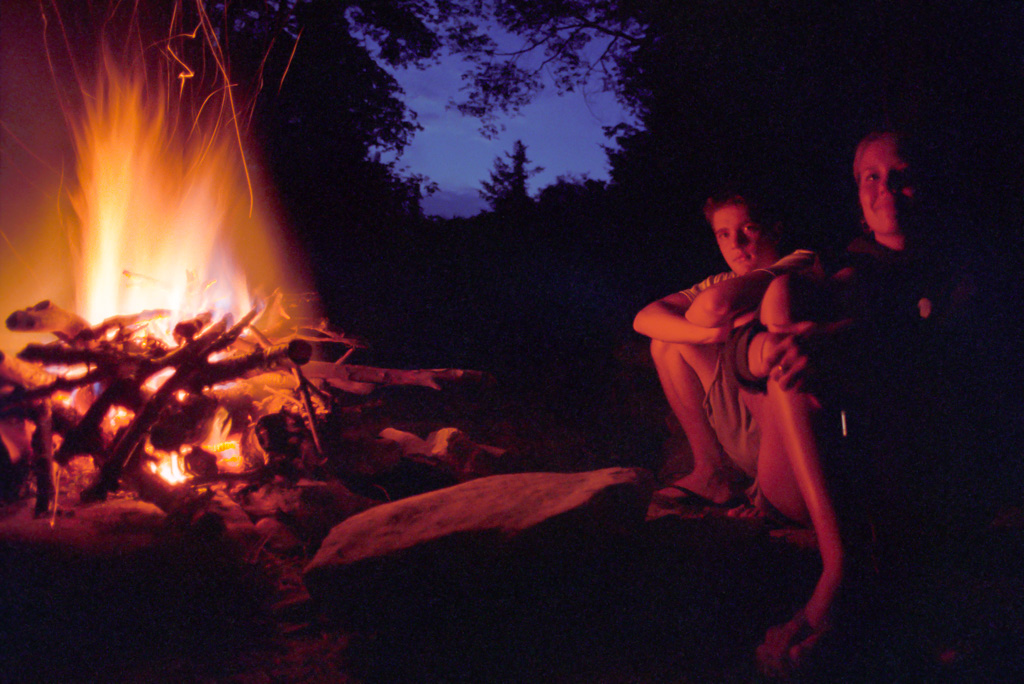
point(687, 331)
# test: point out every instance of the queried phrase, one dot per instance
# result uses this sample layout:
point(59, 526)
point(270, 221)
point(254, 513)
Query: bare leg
point(685, 372)
point(793, 477)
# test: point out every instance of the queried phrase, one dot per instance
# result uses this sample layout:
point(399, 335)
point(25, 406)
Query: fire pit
point(186, 355)
point(226, 400)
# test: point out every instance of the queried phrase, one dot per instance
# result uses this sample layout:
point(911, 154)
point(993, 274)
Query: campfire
point(194, 350)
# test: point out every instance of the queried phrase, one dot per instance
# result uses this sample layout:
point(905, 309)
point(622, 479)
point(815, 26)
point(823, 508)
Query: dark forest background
point(541, 290)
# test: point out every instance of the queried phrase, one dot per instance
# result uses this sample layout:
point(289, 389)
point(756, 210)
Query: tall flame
point(168, 210)
point(169, 207)
point(154, 208)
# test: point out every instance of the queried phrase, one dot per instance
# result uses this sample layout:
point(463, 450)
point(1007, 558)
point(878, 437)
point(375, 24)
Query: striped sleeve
point(692, 292)
point(799, 260)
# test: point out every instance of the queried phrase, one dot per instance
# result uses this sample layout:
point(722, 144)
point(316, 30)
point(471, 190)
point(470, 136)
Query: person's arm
point(721, 304)
point(666, 320)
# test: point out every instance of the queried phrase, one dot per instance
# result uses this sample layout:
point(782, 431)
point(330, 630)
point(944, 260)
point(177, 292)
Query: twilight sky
point(562, 133)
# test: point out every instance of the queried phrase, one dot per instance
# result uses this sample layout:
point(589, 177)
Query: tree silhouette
point(506, 192)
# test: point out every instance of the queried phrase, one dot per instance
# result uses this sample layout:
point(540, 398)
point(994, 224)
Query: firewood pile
point(128, 397)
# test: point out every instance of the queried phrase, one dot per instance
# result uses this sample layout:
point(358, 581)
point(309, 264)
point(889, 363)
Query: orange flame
point(226, 448)
point(153, 209)
point(169, 205)
point(169, 211)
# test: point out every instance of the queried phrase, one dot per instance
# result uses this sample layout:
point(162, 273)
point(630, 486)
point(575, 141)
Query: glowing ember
point(167, 466)
point(117, 417)
point(223, 445)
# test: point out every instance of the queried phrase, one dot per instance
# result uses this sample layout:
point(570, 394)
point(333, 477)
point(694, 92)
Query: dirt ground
point(121, 592)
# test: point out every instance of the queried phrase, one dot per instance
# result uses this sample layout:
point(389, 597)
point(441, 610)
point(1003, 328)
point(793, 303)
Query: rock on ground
point(457, 543)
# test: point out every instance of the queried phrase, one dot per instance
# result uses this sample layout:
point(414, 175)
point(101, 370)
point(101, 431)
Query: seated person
point(864, 348)
point(687, 331)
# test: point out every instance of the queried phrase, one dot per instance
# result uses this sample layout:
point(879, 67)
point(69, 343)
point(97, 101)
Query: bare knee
point(777, 304)
point(794, 298)
point(662, 351)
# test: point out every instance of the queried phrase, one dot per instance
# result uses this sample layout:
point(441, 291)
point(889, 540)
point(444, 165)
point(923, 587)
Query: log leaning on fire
point(343, 374)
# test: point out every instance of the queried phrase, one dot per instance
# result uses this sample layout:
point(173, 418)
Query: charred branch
point(124, 362)
point(295, 351)
point(87, 436)
point(216, 367)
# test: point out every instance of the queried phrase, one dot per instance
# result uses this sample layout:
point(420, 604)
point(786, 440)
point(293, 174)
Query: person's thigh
point(702, 358)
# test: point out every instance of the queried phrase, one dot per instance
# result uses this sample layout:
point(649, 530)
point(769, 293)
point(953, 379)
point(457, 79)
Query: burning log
point(86, 437)
point(25, 376)
point(193, 371)
point(108, 361)
point(295, 351)
point(167, 397)
point(186, 360)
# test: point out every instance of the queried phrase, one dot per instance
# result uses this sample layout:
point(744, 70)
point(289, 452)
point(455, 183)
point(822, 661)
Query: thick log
point(43, 391)
point(284, 355)
point(60, 355)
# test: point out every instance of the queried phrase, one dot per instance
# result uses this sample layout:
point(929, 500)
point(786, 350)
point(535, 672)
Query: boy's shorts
point(731, 419)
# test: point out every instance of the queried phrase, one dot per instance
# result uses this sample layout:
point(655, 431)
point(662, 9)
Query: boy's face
point(884, 187)
point(745, 244)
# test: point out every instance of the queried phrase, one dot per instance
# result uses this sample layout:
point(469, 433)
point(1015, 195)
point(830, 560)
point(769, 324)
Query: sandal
point(675, 496)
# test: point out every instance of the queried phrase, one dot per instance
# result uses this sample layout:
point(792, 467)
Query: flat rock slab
point(500, 534)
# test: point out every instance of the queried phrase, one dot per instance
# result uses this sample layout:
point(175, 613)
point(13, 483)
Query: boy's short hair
point(759, 211)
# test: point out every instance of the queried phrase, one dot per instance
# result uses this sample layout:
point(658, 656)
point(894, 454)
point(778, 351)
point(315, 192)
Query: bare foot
point(787, 647)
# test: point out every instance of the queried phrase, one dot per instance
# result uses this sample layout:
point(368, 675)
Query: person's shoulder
point(711, 280)
point(798, 260)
